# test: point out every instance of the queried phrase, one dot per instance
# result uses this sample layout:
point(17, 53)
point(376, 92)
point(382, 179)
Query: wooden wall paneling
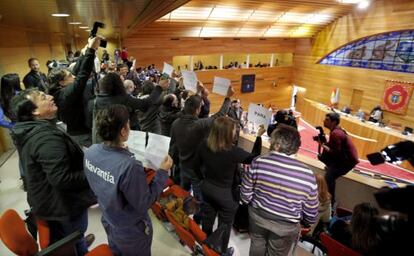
point(154, 49)
point(265, 92)
point(381, 16)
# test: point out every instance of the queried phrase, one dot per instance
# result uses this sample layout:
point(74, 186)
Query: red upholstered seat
point(335, 248)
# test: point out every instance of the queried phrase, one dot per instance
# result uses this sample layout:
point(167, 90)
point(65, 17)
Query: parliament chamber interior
point(313, 69)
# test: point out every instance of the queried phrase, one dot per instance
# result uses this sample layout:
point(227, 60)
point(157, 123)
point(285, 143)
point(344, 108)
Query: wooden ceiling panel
point(173, 18)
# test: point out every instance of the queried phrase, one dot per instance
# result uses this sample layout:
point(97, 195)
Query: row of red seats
point(17, 239)
point(189, 237)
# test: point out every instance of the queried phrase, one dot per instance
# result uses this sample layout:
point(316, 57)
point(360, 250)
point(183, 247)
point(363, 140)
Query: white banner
point(190, 81)
point(168, 69)
point(259, 115)
point(157, 149)
point(221, 85)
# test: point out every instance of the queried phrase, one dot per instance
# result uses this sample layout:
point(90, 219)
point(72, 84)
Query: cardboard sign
point(221, 85)
point(190, 81)
point(168, 69)
point(259, 115)
point(157, 149)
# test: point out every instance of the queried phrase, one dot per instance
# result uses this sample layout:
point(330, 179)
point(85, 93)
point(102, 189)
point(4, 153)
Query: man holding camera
point(339, 154)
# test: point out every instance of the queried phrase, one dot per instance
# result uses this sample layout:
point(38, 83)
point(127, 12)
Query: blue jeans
point(61, 229)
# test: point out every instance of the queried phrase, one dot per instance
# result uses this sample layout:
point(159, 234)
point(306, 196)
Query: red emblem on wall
point(396, 97)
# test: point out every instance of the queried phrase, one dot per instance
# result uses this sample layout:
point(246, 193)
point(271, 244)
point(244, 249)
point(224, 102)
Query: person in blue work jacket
point(119, 182)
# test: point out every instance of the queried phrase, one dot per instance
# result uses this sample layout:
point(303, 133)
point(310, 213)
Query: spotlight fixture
point(60, 15)
point(363, 4)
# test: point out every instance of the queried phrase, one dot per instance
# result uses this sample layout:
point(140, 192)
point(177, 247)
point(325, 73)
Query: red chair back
point(196, 231)
point(209, 252)
point(342, 212)
point(335, 248)
point(44, 233)
point(185, 236)
point(14, 235)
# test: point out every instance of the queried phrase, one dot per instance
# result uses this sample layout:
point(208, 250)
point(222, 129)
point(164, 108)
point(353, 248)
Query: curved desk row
point(367, 137)
point(351, 189)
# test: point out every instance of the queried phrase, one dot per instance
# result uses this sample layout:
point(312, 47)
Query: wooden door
point(356, 99)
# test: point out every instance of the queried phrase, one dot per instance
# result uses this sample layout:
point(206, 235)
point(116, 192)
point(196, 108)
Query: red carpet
point(390, 171)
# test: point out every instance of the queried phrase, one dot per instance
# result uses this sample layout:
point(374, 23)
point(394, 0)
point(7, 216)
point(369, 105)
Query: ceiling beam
point(153, 10)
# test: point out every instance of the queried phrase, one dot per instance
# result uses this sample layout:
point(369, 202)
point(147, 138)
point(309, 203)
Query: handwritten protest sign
point(221, 85)
point(259, 115)
point(168, 69)
point(190, 81)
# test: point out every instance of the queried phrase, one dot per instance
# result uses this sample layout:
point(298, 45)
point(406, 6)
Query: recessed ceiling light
point(83, 27)
point(60, 15)
point(87, 30)
point(75, 23)
point(363, 4)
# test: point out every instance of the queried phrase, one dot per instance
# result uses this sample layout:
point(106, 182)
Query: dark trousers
point(189, 180)
point(332, 174)
point(133, 240)
point(218, 201)
point(61, 229)
point(271, 237)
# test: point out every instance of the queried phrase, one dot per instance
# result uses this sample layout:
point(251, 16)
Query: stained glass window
point(393, 51)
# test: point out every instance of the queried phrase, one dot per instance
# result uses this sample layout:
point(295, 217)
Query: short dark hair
point(55, 76)
point(123, 65)
point(192, 104)
point(147, 87)
point(110, 121)
point(334, 117)
point(30, 60)
point(111, 84)
point(168, 100)
point(22, 107)
point(286, 138)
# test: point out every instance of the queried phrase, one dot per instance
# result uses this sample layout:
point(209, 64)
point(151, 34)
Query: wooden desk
point(367, 137)
point(351, 189)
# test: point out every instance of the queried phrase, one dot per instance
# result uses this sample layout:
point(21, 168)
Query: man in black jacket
point(57, 189)
point(187, 132)
point(68, 92)
point(35, 78)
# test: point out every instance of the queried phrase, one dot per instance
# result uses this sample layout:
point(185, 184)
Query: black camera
point(94, 31)
point(321, 136)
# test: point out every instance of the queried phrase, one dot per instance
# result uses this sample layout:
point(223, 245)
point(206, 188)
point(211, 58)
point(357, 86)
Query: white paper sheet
point(168, 69)
point(190, 81)
point(157, 149)
point(259, 115)
point(136, 144)
point(221, 85)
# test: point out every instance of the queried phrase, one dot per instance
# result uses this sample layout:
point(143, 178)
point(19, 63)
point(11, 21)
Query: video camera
point(395, 153)
point(57, 64)
point(321, 136)
point(94, 31)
